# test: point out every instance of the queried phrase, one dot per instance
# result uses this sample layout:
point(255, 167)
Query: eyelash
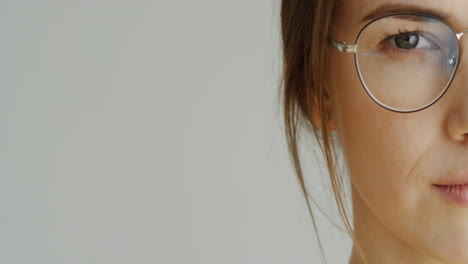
point(388, 37)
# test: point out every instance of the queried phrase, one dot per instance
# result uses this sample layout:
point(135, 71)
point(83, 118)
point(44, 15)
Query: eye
point(406, 40)
point(412, 40)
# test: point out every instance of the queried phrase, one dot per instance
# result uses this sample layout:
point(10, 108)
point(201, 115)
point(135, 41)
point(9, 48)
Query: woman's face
point(395, 159)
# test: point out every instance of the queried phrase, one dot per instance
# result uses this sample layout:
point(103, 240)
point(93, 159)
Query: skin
point(394, 159)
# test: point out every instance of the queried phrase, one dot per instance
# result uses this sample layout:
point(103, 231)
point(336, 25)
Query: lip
point(455, 188)
point(458, 179)
point(455, 193)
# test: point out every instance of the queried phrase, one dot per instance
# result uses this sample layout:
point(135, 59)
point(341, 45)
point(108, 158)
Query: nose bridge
point(463, 50)
point(457, 123)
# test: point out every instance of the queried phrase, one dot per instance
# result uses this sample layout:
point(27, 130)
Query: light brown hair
point(305, 26)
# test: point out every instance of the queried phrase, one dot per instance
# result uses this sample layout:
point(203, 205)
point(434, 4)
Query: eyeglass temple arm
point(343, 47)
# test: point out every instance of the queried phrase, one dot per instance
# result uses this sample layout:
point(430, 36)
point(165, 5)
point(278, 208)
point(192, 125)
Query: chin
point(450, 245)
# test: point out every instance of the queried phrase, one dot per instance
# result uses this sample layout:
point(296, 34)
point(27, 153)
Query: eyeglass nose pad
point(452, 61)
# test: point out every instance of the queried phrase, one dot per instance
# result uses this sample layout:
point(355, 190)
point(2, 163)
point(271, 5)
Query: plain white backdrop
point(150, 132)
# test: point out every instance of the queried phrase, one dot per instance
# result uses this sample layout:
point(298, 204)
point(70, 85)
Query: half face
point(397, 160)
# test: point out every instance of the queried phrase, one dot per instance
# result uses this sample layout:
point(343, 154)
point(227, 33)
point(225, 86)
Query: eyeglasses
point(405, 62)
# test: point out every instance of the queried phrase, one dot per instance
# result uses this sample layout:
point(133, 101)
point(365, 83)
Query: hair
point(305, 26)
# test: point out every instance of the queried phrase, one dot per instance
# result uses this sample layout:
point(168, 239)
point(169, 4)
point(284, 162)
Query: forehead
point(349, 15)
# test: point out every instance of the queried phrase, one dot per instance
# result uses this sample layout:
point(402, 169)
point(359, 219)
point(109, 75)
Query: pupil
point(407, 40)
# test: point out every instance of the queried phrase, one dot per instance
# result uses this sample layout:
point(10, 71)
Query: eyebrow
point(395, 9)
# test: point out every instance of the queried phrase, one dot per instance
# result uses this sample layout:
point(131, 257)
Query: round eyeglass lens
point(406, 62)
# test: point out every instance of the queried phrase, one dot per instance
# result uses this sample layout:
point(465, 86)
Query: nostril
point(457, 120)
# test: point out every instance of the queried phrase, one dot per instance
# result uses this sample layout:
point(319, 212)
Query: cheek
point(385, 151)
point(393, 160)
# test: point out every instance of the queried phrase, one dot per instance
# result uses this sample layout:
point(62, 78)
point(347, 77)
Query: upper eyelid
point(409, 13)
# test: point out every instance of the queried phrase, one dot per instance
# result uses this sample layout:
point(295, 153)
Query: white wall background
point(148, 132)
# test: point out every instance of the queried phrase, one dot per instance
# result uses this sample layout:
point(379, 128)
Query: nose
point(457, 115)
